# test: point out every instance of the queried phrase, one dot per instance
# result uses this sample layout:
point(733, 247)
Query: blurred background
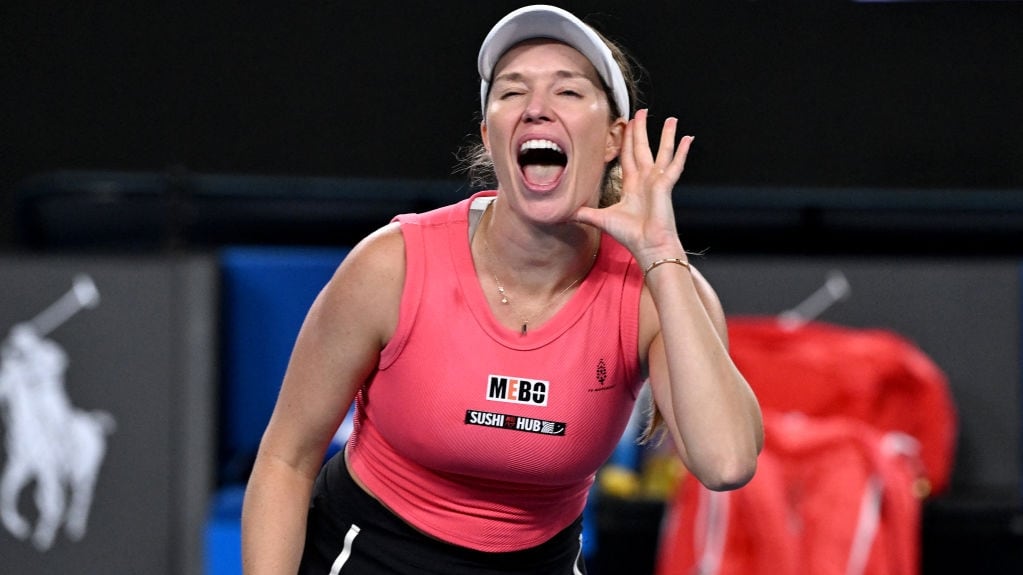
point(832, 93)
point(189, 148)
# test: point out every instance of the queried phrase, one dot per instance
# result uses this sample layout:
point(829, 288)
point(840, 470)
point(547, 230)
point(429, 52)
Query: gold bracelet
point(678, 261)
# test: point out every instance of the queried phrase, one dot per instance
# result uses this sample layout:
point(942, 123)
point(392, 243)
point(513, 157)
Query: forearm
point(274, 518)
point(714, 416)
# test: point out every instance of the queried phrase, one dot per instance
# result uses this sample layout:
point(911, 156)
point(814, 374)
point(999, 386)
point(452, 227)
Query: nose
point(537, 108)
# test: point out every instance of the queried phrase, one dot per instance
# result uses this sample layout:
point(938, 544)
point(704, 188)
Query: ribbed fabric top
point(475, 433)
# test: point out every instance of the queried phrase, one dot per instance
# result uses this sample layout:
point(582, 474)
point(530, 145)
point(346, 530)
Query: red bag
point(873, 375)
point(832, 496)
point(855, 421)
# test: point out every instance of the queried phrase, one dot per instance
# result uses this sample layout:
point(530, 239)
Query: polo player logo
point(48, 441)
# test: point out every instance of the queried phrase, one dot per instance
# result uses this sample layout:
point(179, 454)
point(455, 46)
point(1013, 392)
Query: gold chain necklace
point(504, 296)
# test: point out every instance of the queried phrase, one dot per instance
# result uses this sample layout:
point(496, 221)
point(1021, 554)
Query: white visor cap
point(541, 21)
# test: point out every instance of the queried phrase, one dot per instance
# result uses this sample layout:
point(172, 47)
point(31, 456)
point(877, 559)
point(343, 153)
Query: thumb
point(589, 216)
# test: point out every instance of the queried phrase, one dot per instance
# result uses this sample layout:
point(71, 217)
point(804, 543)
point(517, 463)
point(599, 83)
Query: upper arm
point(336, 350)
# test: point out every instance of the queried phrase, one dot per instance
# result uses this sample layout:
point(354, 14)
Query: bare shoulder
point(366, 288)
point(382, 252)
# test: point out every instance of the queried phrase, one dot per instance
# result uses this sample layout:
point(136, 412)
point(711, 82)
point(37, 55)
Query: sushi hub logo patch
point(517, 390)
point(514, 422)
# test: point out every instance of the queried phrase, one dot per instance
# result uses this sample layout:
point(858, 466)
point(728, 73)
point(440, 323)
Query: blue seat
point(265, 294)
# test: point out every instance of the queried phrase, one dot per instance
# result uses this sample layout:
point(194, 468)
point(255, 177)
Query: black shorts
point(350, 532)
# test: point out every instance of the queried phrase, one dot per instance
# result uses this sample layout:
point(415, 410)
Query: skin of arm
point(710, 412)
point(336, 350)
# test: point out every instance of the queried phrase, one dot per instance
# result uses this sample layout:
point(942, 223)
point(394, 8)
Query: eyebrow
point(519, 77)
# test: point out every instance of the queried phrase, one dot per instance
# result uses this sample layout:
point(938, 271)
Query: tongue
point(542, 175)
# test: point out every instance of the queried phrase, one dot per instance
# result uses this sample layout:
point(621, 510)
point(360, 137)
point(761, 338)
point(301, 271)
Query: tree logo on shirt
point(601, 372)
point(601, 376)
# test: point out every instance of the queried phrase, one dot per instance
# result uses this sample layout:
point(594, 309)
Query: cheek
point(599, 148)
point(499, 112)
point(492, 139)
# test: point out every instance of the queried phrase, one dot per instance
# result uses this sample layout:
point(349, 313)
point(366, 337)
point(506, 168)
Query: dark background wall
point(829, 93)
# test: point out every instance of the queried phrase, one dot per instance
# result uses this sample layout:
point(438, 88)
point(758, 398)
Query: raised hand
point(644, 219)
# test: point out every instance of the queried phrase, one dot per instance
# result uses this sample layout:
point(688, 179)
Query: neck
point(534, 262)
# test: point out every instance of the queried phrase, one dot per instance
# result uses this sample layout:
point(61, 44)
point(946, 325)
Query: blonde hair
point(476, 162)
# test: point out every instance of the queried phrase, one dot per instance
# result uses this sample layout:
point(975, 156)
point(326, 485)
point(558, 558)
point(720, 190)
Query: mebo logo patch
point(517, 390)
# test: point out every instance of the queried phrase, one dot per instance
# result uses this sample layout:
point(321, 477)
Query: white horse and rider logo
point(48, 440)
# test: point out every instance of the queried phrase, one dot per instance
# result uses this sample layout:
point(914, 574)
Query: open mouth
point(542, 163)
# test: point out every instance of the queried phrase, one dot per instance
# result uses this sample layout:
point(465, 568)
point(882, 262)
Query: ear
point(483, 135)
point(615, 137)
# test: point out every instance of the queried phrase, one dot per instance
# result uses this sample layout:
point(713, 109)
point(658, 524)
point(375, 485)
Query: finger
point(626, 157)
point(666, 152)
point(678, 163)
point(590, 216)
point(641, 143)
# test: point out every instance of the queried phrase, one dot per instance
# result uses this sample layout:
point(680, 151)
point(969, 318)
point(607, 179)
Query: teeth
point(539, 145)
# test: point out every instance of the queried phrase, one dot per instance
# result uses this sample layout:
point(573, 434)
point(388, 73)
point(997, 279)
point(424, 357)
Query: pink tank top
point(475, 433)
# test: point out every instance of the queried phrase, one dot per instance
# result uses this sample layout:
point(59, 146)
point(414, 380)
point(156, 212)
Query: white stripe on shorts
point(346, 551)
point(578, 557)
